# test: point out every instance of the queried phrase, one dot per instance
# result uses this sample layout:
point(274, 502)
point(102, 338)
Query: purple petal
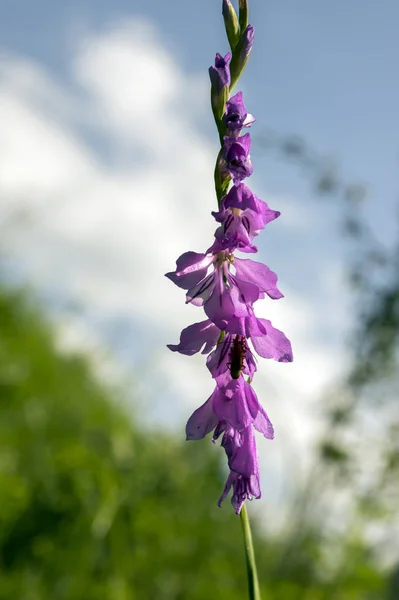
point(219, 307)
point(232, 440)
point(230, 404)
point(230, 480)
point(258, 274)
point(191, 267)
point(248, 40)
point(263, 424)
point(267, 213)
point(200, 293)
point(245, 459)
point(245, 142)
point(243, 293)
point(220, 72)
point(251, 399)
point(274, 344)
point(201, 422)
point(218, 359)
point(193, 337)
point(240, 196)
point(248, 326)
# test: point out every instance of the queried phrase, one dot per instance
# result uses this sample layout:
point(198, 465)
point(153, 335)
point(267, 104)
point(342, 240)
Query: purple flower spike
point(220, 73)
point(236, 116)
point(227, 286)
point(237, 158)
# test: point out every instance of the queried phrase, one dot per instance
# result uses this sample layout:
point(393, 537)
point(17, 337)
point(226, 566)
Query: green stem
point(253, 584)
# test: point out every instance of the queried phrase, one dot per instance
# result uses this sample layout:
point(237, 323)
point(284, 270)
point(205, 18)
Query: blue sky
point(108, 144)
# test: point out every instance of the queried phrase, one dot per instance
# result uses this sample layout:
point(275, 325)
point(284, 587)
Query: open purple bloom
point(233, 402)
point(236, 116)
point(222, 294)
point(220, 72)
point(237, 160)
point(242, 215)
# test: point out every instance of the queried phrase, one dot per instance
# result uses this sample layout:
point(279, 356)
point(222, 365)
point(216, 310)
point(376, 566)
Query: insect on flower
point(237, 355)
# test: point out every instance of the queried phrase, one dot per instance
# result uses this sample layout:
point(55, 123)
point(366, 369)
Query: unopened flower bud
point(241, 54)
point(231, 23)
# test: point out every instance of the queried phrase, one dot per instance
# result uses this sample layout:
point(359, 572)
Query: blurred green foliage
point(95, 507)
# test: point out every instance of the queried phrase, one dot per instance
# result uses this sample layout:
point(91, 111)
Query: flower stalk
point(253, 583)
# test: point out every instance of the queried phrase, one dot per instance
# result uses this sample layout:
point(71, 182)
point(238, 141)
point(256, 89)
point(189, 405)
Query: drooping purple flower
point(244, 467)
point(236, 116)
point(233, 402)
point(244, 488)
point(220, 72)
point(237, 160)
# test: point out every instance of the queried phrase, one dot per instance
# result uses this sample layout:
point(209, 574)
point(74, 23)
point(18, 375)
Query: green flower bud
point(231, 23)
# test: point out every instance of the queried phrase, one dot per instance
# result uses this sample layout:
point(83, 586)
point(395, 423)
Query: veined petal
point(200, 293)
point(219, 307)
point(191, 268)
point(217, 361)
